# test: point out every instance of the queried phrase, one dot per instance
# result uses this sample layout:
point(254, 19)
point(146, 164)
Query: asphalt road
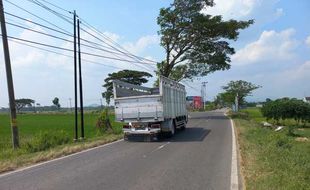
point(197, 158)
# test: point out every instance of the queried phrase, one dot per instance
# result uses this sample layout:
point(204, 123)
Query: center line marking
point(160, 147)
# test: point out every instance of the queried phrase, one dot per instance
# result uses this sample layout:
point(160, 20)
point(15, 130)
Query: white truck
point(150, 111)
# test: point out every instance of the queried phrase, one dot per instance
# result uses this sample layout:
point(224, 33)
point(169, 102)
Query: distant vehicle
point(150, 111)
point(194, 102)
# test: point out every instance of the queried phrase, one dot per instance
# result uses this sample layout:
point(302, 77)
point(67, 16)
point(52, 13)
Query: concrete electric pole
point(237, 102)
point(15, 137)
point(80, 80)
point(75, 80)
point(204, 93)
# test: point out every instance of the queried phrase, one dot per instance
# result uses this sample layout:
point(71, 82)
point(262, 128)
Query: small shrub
point(283, 143)
point(46, 140)
point(291, 131)
point(103, 122)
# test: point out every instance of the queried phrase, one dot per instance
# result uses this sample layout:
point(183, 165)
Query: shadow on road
point(192, 134)
point(215, 117)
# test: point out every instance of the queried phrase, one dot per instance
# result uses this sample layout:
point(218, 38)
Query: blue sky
point(274, 52)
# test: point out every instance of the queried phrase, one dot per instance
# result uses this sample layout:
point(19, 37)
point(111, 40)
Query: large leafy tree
point(195, 43)
point(129, 76)
point(21, 103)
point(239, 89)
point(224, 99)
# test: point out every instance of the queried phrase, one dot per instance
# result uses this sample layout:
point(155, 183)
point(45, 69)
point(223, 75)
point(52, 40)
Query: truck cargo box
point(135, 103)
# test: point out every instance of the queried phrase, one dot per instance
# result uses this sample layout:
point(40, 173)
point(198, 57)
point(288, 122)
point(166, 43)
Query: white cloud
point(271, 46)
point(112, 36)
point(300, 72)
point(308, 41)
point(233, 8)
point(260, 10)
point(279, 12)
point(142, 43)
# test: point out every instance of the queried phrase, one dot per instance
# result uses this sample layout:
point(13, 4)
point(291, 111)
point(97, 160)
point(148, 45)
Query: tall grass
point(270, 159)
point(43, 131)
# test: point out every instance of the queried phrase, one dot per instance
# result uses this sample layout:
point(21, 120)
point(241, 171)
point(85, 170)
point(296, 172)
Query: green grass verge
point(46, 136)
point(269, 159)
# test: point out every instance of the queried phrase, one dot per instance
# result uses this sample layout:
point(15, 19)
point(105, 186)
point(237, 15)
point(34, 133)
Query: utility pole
point(70, 104)
point(15, 137)
point(237, 102)
point(75, 80)
point(80, 81)
point(203, 93)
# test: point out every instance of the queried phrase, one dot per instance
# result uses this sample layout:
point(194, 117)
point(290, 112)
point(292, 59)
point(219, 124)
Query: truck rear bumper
point(144, 132)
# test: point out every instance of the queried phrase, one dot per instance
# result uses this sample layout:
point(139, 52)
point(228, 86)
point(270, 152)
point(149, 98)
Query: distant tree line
point(287, 108)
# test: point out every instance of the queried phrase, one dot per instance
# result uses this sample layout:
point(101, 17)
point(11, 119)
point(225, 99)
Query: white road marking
point(156, 149)
point(56, 159)
point(160, 147)
point(234, 182)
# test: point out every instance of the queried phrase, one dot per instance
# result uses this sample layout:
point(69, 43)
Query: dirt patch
point(302, 139)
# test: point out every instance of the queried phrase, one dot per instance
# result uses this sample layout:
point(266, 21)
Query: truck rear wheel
point(173, 130)
point(183, 127)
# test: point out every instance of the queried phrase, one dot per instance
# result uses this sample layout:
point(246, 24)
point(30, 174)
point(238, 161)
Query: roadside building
point(306, 99)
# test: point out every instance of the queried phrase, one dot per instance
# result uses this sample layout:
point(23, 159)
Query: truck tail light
point(155, 126)
point(126, 126)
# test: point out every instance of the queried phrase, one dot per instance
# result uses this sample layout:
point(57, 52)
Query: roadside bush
point(286, 108)
point(46, 140)
point(103, 122)
point(210, 107)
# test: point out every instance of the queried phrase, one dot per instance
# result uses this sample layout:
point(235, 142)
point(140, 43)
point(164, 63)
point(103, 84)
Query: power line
point(38, 17)
point(55, 30)
point(38, 24)
point(56, 6)
point(113, 42)
point(58, 53)
point(53, 36)
point(39, 32)
point(66, 49)
point(128, 55)
point(115, 53)
point(68, 33)
point(149, 69)
point(62, 16)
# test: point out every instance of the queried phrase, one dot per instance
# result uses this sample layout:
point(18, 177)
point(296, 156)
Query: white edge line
point(234, 181)
point(57, 159)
